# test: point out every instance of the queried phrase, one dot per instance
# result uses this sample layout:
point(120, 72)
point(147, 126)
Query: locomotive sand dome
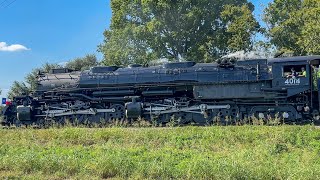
point(190, 92)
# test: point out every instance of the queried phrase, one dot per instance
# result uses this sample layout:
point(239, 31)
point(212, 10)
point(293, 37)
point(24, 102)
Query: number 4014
point(292, 81)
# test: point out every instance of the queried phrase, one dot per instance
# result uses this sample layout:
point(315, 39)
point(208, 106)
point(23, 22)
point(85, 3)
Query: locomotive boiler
point(187, 91)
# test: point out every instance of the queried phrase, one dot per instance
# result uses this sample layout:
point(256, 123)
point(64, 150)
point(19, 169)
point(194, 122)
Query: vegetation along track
point(228, 152)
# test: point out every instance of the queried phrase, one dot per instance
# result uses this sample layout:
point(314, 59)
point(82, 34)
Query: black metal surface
point(246, 84)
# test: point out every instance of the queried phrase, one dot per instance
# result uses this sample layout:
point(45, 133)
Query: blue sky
point(53, 31)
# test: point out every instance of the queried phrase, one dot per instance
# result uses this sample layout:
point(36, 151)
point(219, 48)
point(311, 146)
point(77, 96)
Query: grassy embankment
point(236, 152)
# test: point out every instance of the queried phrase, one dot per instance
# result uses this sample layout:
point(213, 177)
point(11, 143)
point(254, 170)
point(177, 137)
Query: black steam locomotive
point(190, 92)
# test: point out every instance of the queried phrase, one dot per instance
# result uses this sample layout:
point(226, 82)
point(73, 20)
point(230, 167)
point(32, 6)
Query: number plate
point(292, 81)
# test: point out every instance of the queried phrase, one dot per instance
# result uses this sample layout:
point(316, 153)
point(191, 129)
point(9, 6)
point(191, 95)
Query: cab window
point(294, 71)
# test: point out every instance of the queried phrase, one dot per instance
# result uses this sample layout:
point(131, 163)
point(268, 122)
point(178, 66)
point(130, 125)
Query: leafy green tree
point(17, 89)
point(241, 26)
point(142, 30)
point(264, 49)
point(294, 25)
point(83, 63)
point(120, 48)
point(310, 35)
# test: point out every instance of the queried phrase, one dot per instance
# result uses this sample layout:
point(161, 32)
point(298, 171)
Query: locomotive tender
point(189, 92)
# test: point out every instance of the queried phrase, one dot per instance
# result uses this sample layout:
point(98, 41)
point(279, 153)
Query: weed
point(122, 152)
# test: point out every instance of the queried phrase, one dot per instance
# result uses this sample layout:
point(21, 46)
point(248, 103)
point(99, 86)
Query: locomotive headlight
point(285, 115)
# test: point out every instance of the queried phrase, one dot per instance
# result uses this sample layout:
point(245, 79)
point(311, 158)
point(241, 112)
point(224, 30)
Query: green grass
point(236, 152)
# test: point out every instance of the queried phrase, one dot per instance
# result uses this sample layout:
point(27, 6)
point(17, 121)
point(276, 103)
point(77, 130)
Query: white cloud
point(12, 48)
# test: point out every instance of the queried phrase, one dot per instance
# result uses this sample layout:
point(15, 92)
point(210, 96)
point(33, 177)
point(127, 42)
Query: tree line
point(201, 31)
point(205, 30)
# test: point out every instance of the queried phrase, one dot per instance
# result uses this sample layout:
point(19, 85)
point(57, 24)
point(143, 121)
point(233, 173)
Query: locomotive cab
point(293, 74)
point(290, 74)
point(299, 78)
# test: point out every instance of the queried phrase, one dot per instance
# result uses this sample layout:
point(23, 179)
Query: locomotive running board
point(91, 111)
point(192, 109)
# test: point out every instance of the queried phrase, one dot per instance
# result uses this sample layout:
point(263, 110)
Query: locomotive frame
point(192, 93)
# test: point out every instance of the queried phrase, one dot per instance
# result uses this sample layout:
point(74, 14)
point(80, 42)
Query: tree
point(18, 89)
point(241, 26)
point(294, 25)
point(263, 49)
point(83, 63)
point(310, 35)
point(182, 29)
